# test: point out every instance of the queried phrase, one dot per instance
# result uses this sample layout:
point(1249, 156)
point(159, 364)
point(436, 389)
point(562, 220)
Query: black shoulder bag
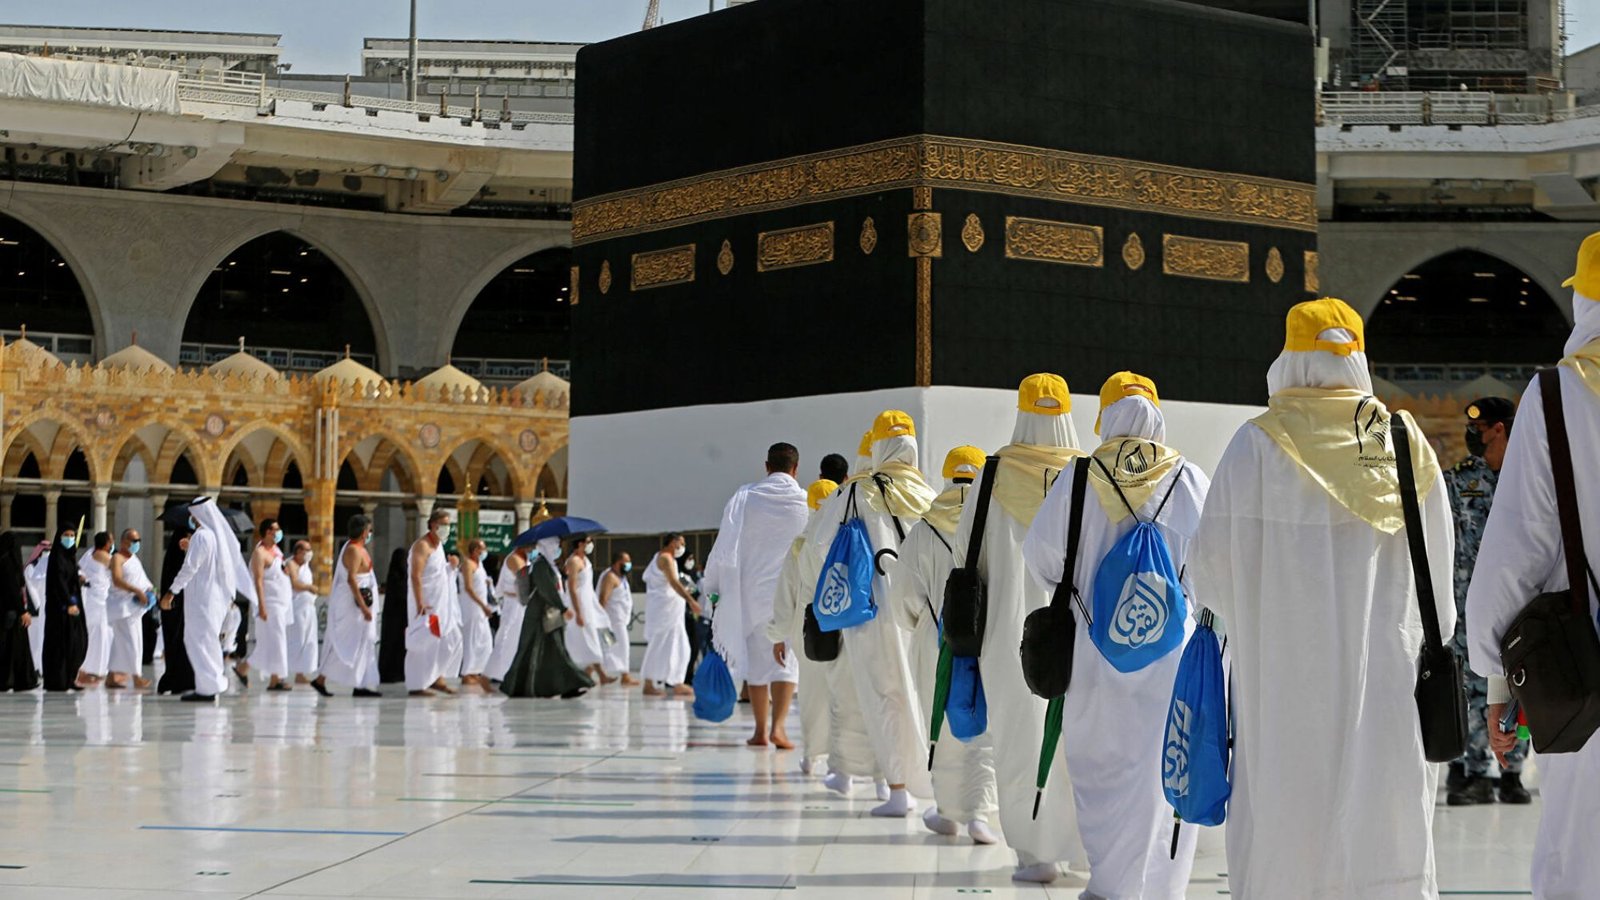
point(1441, 692)
point(966, 597)
point(1049, 634)
point(1550, 652)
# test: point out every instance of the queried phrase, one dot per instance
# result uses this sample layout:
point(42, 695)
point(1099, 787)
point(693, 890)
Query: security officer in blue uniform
point(1471, 484)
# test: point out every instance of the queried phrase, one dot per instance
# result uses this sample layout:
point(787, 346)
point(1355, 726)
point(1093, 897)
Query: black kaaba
point(804, 197)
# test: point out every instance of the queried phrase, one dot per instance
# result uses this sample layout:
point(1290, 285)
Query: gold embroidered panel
point(791, 247)
point(1042, 240)
point(1193, 257)
point(573, 288)
point(659, 268)
point(926, 161)
point(925, 235)
point(1313, 281)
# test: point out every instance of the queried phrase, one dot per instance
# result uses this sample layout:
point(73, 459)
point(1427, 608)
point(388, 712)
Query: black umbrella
point(177, 517)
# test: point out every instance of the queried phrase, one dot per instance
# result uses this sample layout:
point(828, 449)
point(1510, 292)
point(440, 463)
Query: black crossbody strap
point(936, 534)
point(980, 515)
point(1555, 417)
point(1112, 479)
point(1066, 587)
point(899, 530)
point(1414, 536)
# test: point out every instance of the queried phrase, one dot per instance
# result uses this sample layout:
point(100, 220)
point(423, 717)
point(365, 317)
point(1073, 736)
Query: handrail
point(1443, 108)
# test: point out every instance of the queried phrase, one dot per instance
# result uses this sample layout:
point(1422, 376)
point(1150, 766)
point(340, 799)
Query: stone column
point(424, 510)
point(319, 500)
point(52, 498)
point(100, 496)
point(5, 511)
point(524, 510)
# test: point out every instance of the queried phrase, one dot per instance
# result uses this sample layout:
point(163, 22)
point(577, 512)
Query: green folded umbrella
point(1047, 750)
point(941, 695)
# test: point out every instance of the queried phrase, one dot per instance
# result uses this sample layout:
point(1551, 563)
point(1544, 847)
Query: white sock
point(980, 833)
point(938, 824)
point(883, 788)
point(805, 765)
point(838, 782)
point(1039, 873)
point(898, 805)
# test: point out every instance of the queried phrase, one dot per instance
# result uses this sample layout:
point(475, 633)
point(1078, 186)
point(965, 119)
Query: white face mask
point(678, 553)
point(588, 548)
point(442, 532)
point(689, 566)
point(309, 557)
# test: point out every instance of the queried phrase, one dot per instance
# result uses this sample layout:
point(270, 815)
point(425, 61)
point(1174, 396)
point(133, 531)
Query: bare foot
point(757, 741)
point(422, 693)
point(650, 689)
point(114, 685)
point(781, 741)
point(301, 679)
point(683, 690)
point(443, 688)
point(629, 679)
point(141, 683)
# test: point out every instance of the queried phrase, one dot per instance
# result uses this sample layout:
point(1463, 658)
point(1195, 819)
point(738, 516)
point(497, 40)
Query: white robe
point(477, 641)
point(1115, 722)
point(509, 636)
point(33, 580)
point(666, 652)
point(1521, 557)
point(963, 771)
point(619, 615)
point(303, 630)
point(759, 525)
point(1016, 716)
point(427, 654)
point(584, 643)
point(350, 648)
point(813, 694)
point(210, 567)
point(124, 616)
point(872, 664)
point(95, 594)
point(1332, 797)
point(271, 653)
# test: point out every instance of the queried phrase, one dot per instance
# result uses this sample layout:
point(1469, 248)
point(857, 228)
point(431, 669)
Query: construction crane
point(652, 15)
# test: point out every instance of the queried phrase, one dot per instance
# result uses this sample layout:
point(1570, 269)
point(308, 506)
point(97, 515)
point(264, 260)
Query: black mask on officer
point(1475, 443)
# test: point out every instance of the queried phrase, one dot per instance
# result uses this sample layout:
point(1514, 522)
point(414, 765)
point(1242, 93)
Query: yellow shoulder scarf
point(945, 513)
point(1586, 363)
point(907, 492)
point(1138, 467)
point(1341, 440)
point(1025, 474)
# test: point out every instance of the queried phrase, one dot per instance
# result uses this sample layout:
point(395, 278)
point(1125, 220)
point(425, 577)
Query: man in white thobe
point(759, 525)
point(1043, 443)
point(276, 609)
point(963, 770)
point(888, 499)
point(1302, 552)
point(431, 587)
point(790, 600)
point(616, 600)
point(1113, 739)
point(303, 630)
point(126, 603)
point(213, 574)
point(1522, 556)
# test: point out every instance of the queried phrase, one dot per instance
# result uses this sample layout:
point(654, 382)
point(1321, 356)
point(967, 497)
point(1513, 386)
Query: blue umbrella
point(559, 527)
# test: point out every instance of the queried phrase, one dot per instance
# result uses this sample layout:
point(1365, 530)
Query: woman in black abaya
point(392, 636)
point(16, 612)
point(178, 675)
point(66, 635)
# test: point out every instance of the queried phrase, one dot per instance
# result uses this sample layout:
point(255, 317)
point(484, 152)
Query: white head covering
point(1043, 430)
point(1133, 417)
point(229, 575)
point(1320, 368)
point(549, 548)
point(1585, 323)
point(899, 448)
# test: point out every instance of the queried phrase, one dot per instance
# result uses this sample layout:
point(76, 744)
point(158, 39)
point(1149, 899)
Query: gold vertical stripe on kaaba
point(1192, 257)
point(924, 321)
point(573, 289)
point(791, 247)
point(1313, 278)
point(923, 162)
point(659, 268)
point(925, 235)
point(922, 198)
point(1043, 240)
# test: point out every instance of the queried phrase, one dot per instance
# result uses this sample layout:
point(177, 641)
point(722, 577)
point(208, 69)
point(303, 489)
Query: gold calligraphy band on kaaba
point(790, 247)
point(925, 161)
point(1192, 257)
point(659, 268)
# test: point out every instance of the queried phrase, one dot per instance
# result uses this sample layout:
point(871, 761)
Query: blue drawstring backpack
point(1139, 607)
point(844, 590)
point(714, 693)
point(1194, 758)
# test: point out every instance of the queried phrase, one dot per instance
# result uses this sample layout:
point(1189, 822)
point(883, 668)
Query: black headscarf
point(13, 587)
point(392, 638)
point(61, 585)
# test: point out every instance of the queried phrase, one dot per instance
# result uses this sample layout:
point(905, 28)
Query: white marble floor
point(609, 796)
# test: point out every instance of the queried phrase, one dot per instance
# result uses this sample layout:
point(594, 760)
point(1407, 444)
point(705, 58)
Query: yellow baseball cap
point(1125, 384)
point(1045, 394)
point(1309, 319)
point(1586, 280)
point(892, 423)
point(819, 491)
point(866, 444)
point(964, 462)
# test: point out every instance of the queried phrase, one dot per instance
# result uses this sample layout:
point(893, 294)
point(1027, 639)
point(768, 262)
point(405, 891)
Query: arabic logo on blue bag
point(1141, 615)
